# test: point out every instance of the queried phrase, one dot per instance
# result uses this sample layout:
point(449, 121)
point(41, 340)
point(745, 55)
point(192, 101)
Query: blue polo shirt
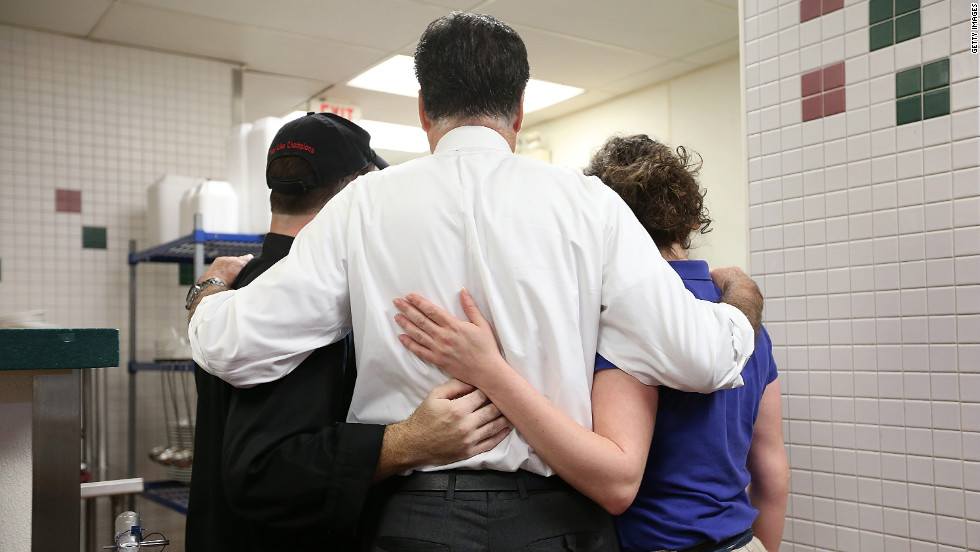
point(693, 488)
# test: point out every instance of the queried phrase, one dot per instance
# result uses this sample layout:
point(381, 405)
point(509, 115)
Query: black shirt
point(275, 464)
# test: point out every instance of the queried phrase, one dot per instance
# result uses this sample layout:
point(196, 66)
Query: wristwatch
point(196, 290)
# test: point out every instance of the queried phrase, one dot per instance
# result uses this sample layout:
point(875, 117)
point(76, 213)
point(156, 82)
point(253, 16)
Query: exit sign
point(350, 112)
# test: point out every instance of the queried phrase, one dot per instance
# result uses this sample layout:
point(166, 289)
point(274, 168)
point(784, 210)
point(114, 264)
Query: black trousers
point(533, 514)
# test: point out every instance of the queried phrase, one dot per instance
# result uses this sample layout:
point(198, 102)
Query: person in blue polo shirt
point(717, 469)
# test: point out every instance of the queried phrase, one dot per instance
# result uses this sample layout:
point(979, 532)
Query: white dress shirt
point(556, 261)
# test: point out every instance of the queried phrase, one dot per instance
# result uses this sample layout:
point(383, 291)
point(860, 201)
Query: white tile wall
point(868, 249)
point(108, 121)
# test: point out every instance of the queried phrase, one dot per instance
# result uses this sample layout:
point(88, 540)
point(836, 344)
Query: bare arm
point(606, 465)
point(453, 423)
point(769, 470)
point(739, 291)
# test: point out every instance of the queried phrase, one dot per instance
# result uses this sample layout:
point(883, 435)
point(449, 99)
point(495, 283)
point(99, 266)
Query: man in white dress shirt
point(556, 261)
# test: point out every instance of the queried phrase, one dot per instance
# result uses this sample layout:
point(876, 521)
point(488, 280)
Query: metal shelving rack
point(199, 248)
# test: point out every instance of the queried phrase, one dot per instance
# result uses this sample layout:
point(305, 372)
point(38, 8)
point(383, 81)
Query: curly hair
point(660, 186)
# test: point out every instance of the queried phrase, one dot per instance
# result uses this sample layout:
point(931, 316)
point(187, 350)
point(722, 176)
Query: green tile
point(908, 82)
point(935, 74)
point(881, 35)
point(935, 103)
point(879, 11)
point(905, 6)
point(908, 110)
point(93, 237)
point(907, 27)
point(186, 273)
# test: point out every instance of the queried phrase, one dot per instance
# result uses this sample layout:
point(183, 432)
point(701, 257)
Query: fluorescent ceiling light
point(397, 76)
point(541, 94)
point(395, 137)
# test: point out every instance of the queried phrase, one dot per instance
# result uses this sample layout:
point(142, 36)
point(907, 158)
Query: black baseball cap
point(334, 146)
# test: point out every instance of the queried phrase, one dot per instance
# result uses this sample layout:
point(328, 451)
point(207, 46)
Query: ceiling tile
point(649, 77)
point(669, 28)
point(378, 24)
point(261, 49)
point(713, 54)
point(473, 6)
point(593, 66)
point(76, 17)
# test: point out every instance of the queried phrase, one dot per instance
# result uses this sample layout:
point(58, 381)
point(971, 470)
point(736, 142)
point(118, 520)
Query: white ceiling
point(295, 50)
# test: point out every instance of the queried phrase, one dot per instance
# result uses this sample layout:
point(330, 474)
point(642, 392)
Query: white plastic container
point(217, 203)
point(163, 207)
point(258, 142)
point(236, 146)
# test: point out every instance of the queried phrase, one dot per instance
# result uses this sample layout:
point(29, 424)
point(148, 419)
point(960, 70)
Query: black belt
point(476, 480)
point(733, 543)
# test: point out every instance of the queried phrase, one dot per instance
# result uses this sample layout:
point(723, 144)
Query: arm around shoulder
point(655, 329)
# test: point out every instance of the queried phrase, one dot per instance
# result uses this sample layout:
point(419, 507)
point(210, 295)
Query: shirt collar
point(276, 246)
point(691, 270)
point(470, 137)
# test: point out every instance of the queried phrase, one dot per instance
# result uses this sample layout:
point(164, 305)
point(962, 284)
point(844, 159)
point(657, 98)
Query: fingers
point(417, 334)
point(486, 414)
point(227, 268)
point(723, 277)
point(471, 309)
point(451, 389)
point(416, 349)
point(429, 310)
point(419, 320)
point(471, 402)
point(492, 441)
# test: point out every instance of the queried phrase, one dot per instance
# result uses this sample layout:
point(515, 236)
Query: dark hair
point(659, 185)
point(293, 167)
point(471, 65)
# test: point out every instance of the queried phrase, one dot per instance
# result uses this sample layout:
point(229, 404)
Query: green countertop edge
point(58, 349)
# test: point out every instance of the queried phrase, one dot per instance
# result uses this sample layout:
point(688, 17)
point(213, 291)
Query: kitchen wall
point(699, 110)
point(84, 129)
point(862, 132)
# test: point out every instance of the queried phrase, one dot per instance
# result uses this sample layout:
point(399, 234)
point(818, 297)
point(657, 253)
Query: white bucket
point(259, 140)
point(236, 146)
point(163, 207)
point(217, 203)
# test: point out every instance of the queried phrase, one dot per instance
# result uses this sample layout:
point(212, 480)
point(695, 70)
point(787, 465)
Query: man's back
point(523, 236)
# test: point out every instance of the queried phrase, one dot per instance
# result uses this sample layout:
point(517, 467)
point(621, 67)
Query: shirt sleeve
point(764, 346)
point(262, 331)
point(653, 328)
point(288, 463)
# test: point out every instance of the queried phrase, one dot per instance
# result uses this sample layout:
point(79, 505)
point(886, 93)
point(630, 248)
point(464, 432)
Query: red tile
point(831, 5)
point(68, 201)
point(809, 9)
point(833, 76)
point(811, 83)
point(834, 102)
point(812, 108)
